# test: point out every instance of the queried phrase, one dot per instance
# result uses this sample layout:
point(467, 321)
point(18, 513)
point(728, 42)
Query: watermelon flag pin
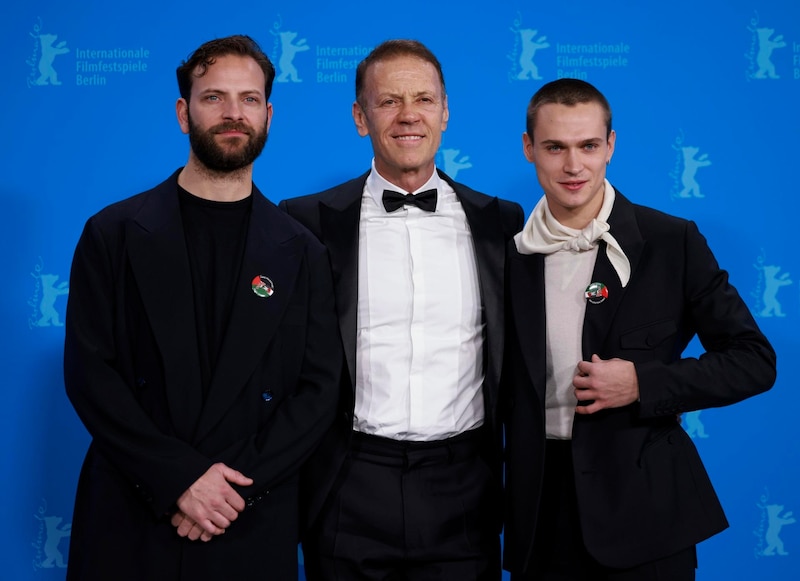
point(262, 286)
point(596, 293)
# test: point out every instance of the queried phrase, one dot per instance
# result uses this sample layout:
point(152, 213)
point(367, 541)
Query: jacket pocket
point(649, 336)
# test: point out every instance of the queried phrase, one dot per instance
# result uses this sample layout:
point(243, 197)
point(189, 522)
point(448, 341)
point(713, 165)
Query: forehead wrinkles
point(406, 76)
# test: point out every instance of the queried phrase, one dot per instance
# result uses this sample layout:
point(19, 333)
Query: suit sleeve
point(101, 390)
point(738, 361)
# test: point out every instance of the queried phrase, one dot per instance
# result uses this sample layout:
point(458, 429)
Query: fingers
point(586, 410)
point(177, 519)
point(194, 531)
point(604, 384)
point(232, 499)
point(223, 511)
point(186, 527)
point(235, 476)
point(197, 532)
point(210, 502)
point(585, 386)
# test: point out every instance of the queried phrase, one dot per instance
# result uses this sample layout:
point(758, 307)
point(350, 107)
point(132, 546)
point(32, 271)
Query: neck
point(214, 185)
point(576, 221)
point(408, 181)
point(577, 218)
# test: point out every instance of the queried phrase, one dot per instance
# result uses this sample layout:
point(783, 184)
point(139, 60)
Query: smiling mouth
point(408, 137)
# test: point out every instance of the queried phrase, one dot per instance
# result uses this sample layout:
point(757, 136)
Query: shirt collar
point(376, 183)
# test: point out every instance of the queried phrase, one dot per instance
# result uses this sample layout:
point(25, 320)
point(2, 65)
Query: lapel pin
point(262, 286)
point(596, 293)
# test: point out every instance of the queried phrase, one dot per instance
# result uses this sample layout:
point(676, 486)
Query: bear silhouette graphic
point(529, 47)
point(50, 292)
point(772, 283)
point(766, 69)
point(288, 72)
point(48, 74)
point(452, 165)
point(55, 532)
point(775, 523)
point(690, 167)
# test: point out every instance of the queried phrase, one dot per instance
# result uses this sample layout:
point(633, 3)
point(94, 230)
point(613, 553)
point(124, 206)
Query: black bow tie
point(395, 200)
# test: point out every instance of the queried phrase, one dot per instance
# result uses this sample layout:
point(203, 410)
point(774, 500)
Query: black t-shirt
point(215, 238)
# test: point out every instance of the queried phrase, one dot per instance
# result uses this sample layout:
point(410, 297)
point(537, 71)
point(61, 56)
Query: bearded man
point(201, 353)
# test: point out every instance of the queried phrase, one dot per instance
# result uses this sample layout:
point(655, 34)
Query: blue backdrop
point(705, 99)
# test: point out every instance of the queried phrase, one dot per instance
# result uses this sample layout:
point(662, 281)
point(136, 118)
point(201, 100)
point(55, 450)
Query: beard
point(226, 159)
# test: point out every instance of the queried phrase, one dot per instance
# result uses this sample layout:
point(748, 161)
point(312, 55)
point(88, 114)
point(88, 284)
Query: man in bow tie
point(602, 481)
point(407, 485)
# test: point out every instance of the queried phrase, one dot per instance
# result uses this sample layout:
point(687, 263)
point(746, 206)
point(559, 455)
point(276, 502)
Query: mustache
point(231, 126)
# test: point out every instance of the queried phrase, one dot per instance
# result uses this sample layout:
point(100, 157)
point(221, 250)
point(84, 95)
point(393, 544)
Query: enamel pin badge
point(262, 286)
point(596, 293)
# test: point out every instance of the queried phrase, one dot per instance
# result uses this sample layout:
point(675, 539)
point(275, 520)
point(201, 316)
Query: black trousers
point(559, 553)
point(409, 511)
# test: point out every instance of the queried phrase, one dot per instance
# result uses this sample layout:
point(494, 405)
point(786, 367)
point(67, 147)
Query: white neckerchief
point(543, 234)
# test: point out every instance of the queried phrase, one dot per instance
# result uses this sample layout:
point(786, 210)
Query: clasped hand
point(210, 504)
point(605, 383)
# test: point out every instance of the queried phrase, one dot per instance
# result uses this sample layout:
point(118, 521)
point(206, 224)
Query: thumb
point(595, 358)
point(236, 477)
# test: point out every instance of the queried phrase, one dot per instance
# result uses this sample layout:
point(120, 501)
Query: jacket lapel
point(526, 296)
point(599, 317)
point(486, 226)
point(160, 265)
point(339, 224)
point(273, 252)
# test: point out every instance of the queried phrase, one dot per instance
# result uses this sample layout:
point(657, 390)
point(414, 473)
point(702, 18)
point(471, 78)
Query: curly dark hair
point(198, 62)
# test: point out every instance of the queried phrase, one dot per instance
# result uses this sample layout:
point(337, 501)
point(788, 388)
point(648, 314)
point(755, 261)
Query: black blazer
point(132, 372)
point(643, 492)
point(333, 215)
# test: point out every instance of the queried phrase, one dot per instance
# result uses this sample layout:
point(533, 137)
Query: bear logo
point(48, 75)
point(766, 69)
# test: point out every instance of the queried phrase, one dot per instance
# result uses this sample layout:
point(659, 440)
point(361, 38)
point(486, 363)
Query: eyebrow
point(224, 91)
point(400, 95)
point(580, 142)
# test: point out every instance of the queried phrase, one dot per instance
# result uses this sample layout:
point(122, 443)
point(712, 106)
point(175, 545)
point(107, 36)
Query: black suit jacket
point(132, 373)
point(642, 490)
point(333, 216)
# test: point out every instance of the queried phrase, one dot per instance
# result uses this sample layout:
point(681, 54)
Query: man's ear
point(182, 112)
point(360, 118)
point(527, 147)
